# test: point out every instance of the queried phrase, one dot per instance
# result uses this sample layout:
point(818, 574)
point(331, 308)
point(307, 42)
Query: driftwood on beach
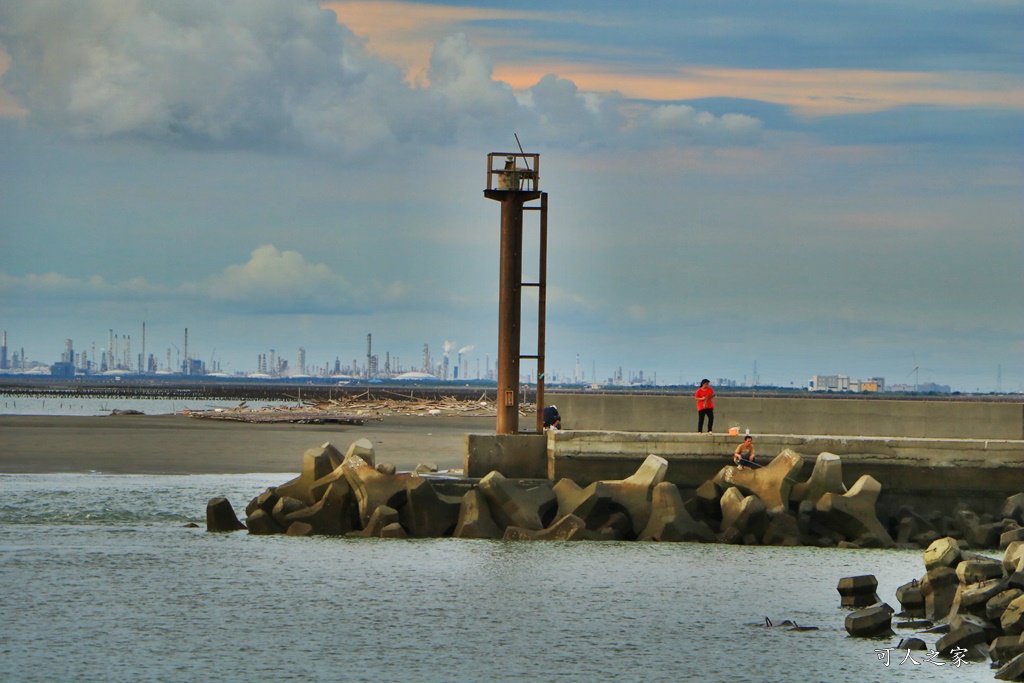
point(355, 410)
point(282, 415)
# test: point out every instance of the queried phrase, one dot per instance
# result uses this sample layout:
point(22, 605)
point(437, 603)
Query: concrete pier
point(927, 419)
point(929, 454)
point(939, 472)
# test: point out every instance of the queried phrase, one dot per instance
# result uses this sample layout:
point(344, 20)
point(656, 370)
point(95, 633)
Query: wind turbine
point(915, 372)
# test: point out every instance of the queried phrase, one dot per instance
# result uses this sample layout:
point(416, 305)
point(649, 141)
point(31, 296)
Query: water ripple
point(103, 583)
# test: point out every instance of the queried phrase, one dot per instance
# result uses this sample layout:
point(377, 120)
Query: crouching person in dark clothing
point(552, 420)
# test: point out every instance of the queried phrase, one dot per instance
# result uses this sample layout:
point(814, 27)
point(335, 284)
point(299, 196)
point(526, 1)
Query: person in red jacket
point(705, 406)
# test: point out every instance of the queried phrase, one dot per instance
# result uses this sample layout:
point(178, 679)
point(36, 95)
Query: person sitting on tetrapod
point(552, 420)
point(744, 455)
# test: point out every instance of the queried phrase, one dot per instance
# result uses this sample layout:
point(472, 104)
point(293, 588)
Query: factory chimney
point(369, 353)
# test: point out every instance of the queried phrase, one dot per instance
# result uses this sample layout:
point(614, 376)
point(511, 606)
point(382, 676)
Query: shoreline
point(178, 444)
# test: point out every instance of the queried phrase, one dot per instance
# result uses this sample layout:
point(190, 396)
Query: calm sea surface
point(101, 581)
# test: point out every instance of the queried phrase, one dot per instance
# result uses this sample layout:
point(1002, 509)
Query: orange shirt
point(703, 397)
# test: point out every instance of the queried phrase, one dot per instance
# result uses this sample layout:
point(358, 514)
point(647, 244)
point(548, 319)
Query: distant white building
point(828, 383)
point(415, 376)
point(844, 383)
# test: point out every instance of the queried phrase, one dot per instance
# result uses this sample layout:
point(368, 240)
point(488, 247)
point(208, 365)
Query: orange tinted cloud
point(405, 34)
point(10, 107)
point(811, 92)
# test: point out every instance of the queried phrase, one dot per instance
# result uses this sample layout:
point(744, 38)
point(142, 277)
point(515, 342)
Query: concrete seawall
point(797, 415)
point(927, 473)
point(929, 454)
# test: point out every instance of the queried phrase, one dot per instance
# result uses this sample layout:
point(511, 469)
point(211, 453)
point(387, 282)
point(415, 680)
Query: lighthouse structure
point(513, 178)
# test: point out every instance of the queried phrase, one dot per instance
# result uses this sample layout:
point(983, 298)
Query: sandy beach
point(178, 444)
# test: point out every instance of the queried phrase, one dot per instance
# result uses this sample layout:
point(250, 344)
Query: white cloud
point(637, 312)
point(564, 113)
point(462, 74)
point(569, 302)
point(286, 74)
point(49, 288)
point(234, 72)
point(681, 120)
point(271, 281)
point(279, 280)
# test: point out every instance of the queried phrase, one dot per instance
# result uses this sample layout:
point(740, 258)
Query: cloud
point(577, 118)
point(273, 75)
point(9, 106)
point(637, 312)
point(461, 74)
point(812, 61)
point(271, 281)
point(406, 33)
point(686, 122)
point(808, 92)
point(42, 289)
point(231, 73)
point(275, 281)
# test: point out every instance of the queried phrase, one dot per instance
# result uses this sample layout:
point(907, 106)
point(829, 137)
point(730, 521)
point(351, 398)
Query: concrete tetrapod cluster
point(826, 513)
point(349, 494)
point(975, 531)
point(771, 506)
point(973, 603)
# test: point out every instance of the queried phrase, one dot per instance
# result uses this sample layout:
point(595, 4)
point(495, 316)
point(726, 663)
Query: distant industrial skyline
point(447, 361)
point(452, 364)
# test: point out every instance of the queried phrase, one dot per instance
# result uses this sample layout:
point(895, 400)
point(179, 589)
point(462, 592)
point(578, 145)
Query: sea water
point(100, 580)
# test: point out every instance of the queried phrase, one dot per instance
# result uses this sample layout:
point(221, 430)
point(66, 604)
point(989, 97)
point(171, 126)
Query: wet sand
point(177, 444)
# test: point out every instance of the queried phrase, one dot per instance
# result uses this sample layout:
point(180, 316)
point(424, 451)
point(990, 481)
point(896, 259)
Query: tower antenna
point(525, 159)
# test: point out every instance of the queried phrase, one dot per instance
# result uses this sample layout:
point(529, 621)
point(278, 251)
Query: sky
point(736, 190)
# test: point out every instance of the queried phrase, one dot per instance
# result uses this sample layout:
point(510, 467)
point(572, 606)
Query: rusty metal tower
point(514, 180)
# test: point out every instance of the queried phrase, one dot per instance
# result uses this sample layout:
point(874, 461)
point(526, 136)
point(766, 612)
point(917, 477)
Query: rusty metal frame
point(514, 185)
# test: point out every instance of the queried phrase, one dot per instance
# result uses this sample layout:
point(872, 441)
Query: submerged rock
point(911, 599)
point(261, 523)
point(568, 528)
point(220, 516)
point(858, 591)
point(939, 587)
point(945, 552)
point(870, 622)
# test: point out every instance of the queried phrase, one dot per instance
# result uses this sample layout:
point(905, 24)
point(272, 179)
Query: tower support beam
point(515, 187)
